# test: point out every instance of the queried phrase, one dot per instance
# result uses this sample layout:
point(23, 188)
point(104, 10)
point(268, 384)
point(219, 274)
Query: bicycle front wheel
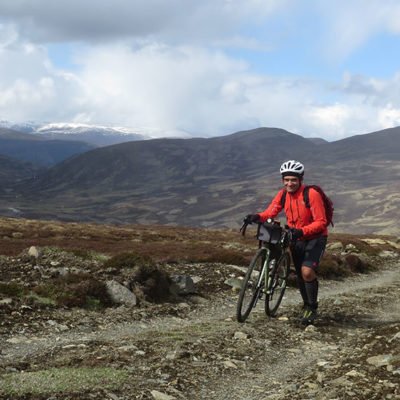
point(277, 279)
point(252, 286)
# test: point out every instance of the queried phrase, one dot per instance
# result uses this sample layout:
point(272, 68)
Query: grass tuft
point(333, 267)
point(151, 282)
point(74, 290)
point(61, 380)
point(127, 260)
point(12, 289)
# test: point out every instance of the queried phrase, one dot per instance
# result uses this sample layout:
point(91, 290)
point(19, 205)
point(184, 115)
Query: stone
point(184, 284)
point(198, 300)
point(341, 381)
point(351, 248)
point(240, 335)
point(338, 302)
point(161, 396)
point(388, 254)
point(120, 294)
point(355, 374)
point(229, 364)
point(196, 279)
point(334, 246)
point(395, 337)
point(34, 252)
point(234, 283)
point(380, 360)
point(311, 329)
point(374, 241)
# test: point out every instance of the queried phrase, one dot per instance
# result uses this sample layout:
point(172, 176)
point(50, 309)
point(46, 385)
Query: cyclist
point(308, 228)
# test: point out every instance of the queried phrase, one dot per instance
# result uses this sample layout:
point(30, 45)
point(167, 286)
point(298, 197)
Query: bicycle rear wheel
point(251, 289)
point(277, 280)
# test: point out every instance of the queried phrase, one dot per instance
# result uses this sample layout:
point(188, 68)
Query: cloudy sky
point(206, 68)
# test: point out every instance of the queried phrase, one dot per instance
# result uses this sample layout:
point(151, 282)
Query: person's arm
point(274, 208)
point(317, 209)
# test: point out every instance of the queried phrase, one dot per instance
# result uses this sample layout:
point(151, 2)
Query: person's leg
point(311, 286)
point(314, 250)
point(298, 257)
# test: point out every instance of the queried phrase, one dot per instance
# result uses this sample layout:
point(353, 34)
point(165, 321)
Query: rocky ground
point(191, 347)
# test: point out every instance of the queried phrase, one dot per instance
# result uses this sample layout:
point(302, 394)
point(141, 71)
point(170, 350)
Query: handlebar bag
point(270, 233)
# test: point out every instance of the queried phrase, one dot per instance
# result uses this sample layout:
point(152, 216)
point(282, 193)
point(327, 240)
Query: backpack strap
point(306, 196)
point(283, 198)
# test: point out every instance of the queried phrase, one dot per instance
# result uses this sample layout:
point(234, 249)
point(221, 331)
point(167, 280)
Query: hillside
point(214, 182)
point(38, 150)
point(164, 180)
point(13, 171)
point(170, 332)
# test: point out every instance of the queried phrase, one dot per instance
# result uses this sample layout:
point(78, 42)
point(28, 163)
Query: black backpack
point(327, 201)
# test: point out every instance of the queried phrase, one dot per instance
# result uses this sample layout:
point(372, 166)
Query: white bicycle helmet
point(292, 167)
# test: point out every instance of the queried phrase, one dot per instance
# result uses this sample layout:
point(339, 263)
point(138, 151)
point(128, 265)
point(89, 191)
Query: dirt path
point(199, 351)
point(354, 312)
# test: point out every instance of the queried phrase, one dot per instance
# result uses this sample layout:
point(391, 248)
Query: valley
point(211, 182)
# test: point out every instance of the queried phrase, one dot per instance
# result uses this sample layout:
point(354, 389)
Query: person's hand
point(296, 234)
point(250, 218)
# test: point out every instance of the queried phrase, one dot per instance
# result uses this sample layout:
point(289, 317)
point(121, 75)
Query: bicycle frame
point(264, 274)
point(272, 256)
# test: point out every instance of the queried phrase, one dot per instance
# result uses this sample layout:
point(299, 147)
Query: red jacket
point(312, 221)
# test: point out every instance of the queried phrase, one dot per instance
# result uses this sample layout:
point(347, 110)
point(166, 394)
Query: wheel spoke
point(277, 284)
point(250, 290)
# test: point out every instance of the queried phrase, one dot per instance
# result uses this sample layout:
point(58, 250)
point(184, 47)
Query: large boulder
point(120, 294)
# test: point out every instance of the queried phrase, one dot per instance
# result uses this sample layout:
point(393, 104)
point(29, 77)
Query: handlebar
point(269, 222)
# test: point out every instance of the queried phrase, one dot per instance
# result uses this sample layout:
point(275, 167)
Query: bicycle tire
point(277, 282)
point(249, 293)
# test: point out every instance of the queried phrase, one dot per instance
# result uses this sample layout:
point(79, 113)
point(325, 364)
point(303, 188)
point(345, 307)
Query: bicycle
point(268, 271)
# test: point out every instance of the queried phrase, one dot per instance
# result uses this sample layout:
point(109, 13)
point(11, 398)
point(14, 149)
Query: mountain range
point(36, 149)
point(94, 135)
point(210, 182)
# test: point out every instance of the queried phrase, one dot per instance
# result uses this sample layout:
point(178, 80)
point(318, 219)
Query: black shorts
point(308, 253)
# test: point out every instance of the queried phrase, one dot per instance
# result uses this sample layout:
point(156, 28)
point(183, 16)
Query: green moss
point(61, 380)
point(44, 301)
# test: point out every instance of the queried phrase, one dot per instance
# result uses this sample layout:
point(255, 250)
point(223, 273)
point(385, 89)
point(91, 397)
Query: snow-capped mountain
point(25, 127)
point(97, 135)
point(93, 134)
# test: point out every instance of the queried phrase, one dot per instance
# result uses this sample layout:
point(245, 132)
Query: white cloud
point(190, 89)
point(155, 86)
point(389, 117)
point(8, 35)
point(30, 87)
point(347, 25)
point(97, 20)
point(166, 66)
